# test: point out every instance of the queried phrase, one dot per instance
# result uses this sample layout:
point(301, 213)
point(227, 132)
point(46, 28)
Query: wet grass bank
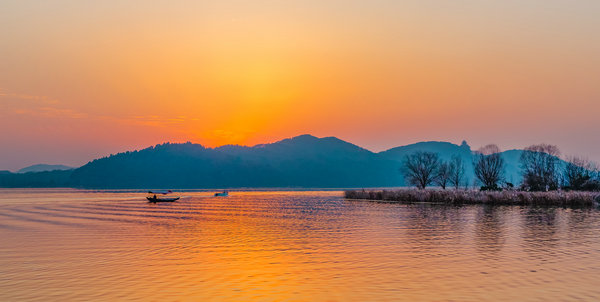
point(522, 198)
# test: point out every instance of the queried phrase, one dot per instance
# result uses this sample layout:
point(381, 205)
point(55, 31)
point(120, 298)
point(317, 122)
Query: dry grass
point(554, 198)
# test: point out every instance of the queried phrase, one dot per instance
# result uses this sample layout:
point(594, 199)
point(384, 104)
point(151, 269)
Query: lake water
point(69, 245)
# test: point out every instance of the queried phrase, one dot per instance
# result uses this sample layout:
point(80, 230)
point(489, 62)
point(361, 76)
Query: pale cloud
point(156, 120)
point(61, 113)
point(7, 96)
point(36, 106)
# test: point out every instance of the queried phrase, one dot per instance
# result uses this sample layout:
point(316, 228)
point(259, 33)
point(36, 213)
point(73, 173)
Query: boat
point(161, 196)
point(224, 193)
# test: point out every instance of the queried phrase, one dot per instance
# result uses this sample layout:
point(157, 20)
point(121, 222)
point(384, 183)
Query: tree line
point(541, 169)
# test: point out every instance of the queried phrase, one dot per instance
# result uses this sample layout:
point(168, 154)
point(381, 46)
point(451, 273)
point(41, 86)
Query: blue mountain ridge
point(44, 167)
point(303, 161)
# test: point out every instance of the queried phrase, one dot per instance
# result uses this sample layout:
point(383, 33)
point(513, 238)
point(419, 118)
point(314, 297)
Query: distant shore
point(520, 198)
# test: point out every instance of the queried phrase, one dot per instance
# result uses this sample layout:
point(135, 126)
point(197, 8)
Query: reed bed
point(522, 198)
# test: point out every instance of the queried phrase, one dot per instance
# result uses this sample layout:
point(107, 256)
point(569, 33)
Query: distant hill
point(303, 162)
point(444, 149)
point(44, 167)
point(46, 179)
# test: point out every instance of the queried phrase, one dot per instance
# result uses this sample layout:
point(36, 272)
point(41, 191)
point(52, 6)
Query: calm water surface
point(68, 245)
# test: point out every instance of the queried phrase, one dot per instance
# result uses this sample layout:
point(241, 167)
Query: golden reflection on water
point(295, 246)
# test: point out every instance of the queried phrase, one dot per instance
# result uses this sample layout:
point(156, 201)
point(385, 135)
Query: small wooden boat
point(161, 196)
point(162, 199)
point(224, 193)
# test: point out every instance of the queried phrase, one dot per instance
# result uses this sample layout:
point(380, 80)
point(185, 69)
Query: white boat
point(224, 193)
point(161, 196)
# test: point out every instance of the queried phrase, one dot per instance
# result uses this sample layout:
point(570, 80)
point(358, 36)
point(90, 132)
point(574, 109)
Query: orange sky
point(81, 80)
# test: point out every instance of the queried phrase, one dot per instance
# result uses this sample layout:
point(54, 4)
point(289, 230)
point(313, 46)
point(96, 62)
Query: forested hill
point(302, 161)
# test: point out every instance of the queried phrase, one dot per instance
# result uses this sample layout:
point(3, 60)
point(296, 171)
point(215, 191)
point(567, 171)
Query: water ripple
point(58, 245)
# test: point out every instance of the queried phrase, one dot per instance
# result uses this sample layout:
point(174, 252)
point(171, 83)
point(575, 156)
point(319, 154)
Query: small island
point(546, 180)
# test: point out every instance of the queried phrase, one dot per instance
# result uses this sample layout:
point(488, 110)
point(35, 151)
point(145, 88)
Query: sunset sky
point(83, 79)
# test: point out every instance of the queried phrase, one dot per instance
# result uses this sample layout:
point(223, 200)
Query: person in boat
point(154, 196)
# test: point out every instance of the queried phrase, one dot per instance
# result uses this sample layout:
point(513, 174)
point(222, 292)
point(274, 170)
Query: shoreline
point(469, 197)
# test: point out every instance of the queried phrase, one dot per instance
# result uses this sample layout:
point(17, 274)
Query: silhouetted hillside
point(444, 149)
point(46, 179)
point(302, 161)
point(44, 167)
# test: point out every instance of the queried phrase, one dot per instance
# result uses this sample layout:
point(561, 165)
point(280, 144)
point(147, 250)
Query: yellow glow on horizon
point(233, 72)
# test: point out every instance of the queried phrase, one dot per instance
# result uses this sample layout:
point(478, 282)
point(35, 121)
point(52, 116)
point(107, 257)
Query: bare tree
point(443, 175)
point(540, 166)
point(457, 171)
point(580, 174)
point(420, 168)
point(489, 167)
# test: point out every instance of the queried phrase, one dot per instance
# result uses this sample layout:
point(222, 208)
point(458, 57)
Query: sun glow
point(233, 72)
